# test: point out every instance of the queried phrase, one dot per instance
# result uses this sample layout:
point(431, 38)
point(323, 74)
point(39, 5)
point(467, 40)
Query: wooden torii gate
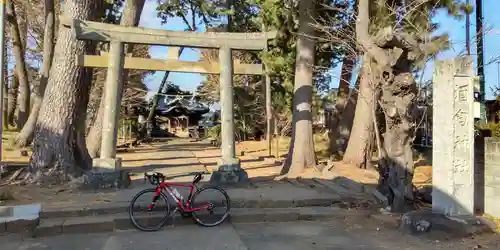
point(229, 171)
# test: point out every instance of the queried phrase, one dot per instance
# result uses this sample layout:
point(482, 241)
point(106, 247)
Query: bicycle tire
point(163, 219)
point(197, 219)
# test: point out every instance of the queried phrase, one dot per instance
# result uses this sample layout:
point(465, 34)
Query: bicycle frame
point(185, 207)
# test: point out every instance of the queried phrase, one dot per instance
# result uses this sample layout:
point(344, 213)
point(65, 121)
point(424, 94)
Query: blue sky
point(187, 81)
point(455, 28)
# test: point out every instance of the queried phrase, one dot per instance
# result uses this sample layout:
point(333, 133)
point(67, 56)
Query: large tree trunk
point(26, 135)
point(345, 104)
point(399, 106)
point(362, 128)
point(5, 88)
point(18, 33)
point(393, 72)
point(18, 30)
point(60, 129)
point(95, 133)
point(301, 153)
point(12, 100)
point(131, 16)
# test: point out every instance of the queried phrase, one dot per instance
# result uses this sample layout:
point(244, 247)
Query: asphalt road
point(304, 235)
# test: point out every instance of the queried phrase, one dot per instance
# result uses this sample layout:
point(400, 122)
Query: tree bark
point(362, 127)
point(398, 104)
point(60, 129)
point(131, 16)
point(12, 100)
point(5, 88)
point(18, 33)
point(392, 53)
point(26, 135)
point(345, 104)
point(301, 152)
point(94, 135)
point(20, 23)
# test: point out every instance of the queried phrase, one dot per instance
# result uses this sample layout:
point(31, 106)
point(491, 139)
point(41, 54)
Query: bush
point(214, 132)
point(493, 129)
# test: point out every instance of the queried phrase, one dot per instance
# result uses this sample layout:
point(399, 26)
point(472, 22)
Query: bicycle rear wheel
point(157, 214)
point(208, 199)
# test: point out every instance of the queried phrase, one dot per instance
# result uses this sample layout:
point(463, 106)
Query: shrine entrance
point(229, 170)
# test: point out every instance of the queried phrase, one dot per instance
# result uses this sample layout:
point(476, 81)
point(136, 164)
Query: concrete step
point(307, 182)
point(121, 221)
point(333, 186)
point(347, 193)
point(122, 207)
point(295, 182)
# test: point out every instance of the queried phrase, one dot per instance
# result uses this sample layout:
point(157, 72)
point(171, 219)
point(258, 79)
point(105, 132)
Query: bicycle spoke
point(149, 214)
point(212, 208)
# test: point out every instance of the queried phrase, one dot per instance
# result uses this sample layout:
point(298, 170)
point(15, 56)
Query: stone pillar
point(112, 96)
point(453, 137)
point(229, 171)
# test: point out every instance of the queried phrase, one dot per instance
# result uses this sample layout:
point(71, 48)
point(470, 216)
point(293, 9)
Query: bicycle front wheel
point(156, 208)
point(211, 205)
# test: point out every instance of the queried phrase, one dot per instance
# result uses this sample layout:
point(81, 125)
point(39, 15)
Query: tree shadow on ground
point(169, 158)
point(151, 167)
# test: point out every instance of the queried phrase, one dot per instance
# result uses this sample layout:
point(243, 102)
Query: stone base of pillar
point(427, 221)
point(106, 173)
point(229, 173)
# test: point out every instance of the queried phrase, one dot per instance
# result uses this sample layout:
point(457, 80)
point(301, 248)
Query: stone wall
point(491, 176)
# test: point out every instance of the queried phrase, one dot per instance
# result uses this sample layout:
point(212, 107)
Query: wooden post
point(129, 129)
point(123, 134)
point(112, 98)
point(269, 115)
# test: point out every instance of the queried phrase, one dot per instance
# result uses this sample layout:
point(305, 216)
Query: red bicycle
point(193, 206)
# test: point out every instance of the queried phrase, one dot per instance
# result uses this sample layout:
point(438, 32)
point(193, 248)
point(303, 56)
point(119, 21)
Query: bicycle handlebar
point(154, 178)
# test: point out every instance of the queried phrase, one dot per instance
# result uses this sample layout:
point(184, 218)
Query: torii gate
point(229, 171)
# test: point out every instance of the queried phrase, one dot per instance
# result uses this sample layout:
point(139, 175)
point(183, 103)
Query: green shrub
point(214, 132)
point(493, 128)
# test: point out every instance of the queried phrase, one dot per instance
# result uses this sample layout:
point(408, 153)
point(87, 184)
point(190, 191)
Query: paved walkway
point(364, 234)
point(274, 194)
point(181, 158)
point(65, 210)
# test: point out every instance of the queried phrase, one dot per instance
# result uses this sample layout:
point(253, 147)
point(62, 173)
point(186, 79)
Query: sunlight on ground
point(253, 156)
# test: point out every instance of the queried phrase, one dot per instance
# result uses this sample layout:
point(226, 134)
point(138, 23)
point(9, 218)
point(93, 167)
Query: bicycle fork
point(155, 199)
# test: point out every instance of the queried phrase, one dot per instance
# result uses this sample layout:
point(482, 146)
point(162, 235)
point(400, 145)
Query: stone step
point(297, 183)
point(311, 183)
point(308, 182)
point(349, 184)
point(342, 191)
point(121, 221)
point(122, 207)
point(17, 219)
